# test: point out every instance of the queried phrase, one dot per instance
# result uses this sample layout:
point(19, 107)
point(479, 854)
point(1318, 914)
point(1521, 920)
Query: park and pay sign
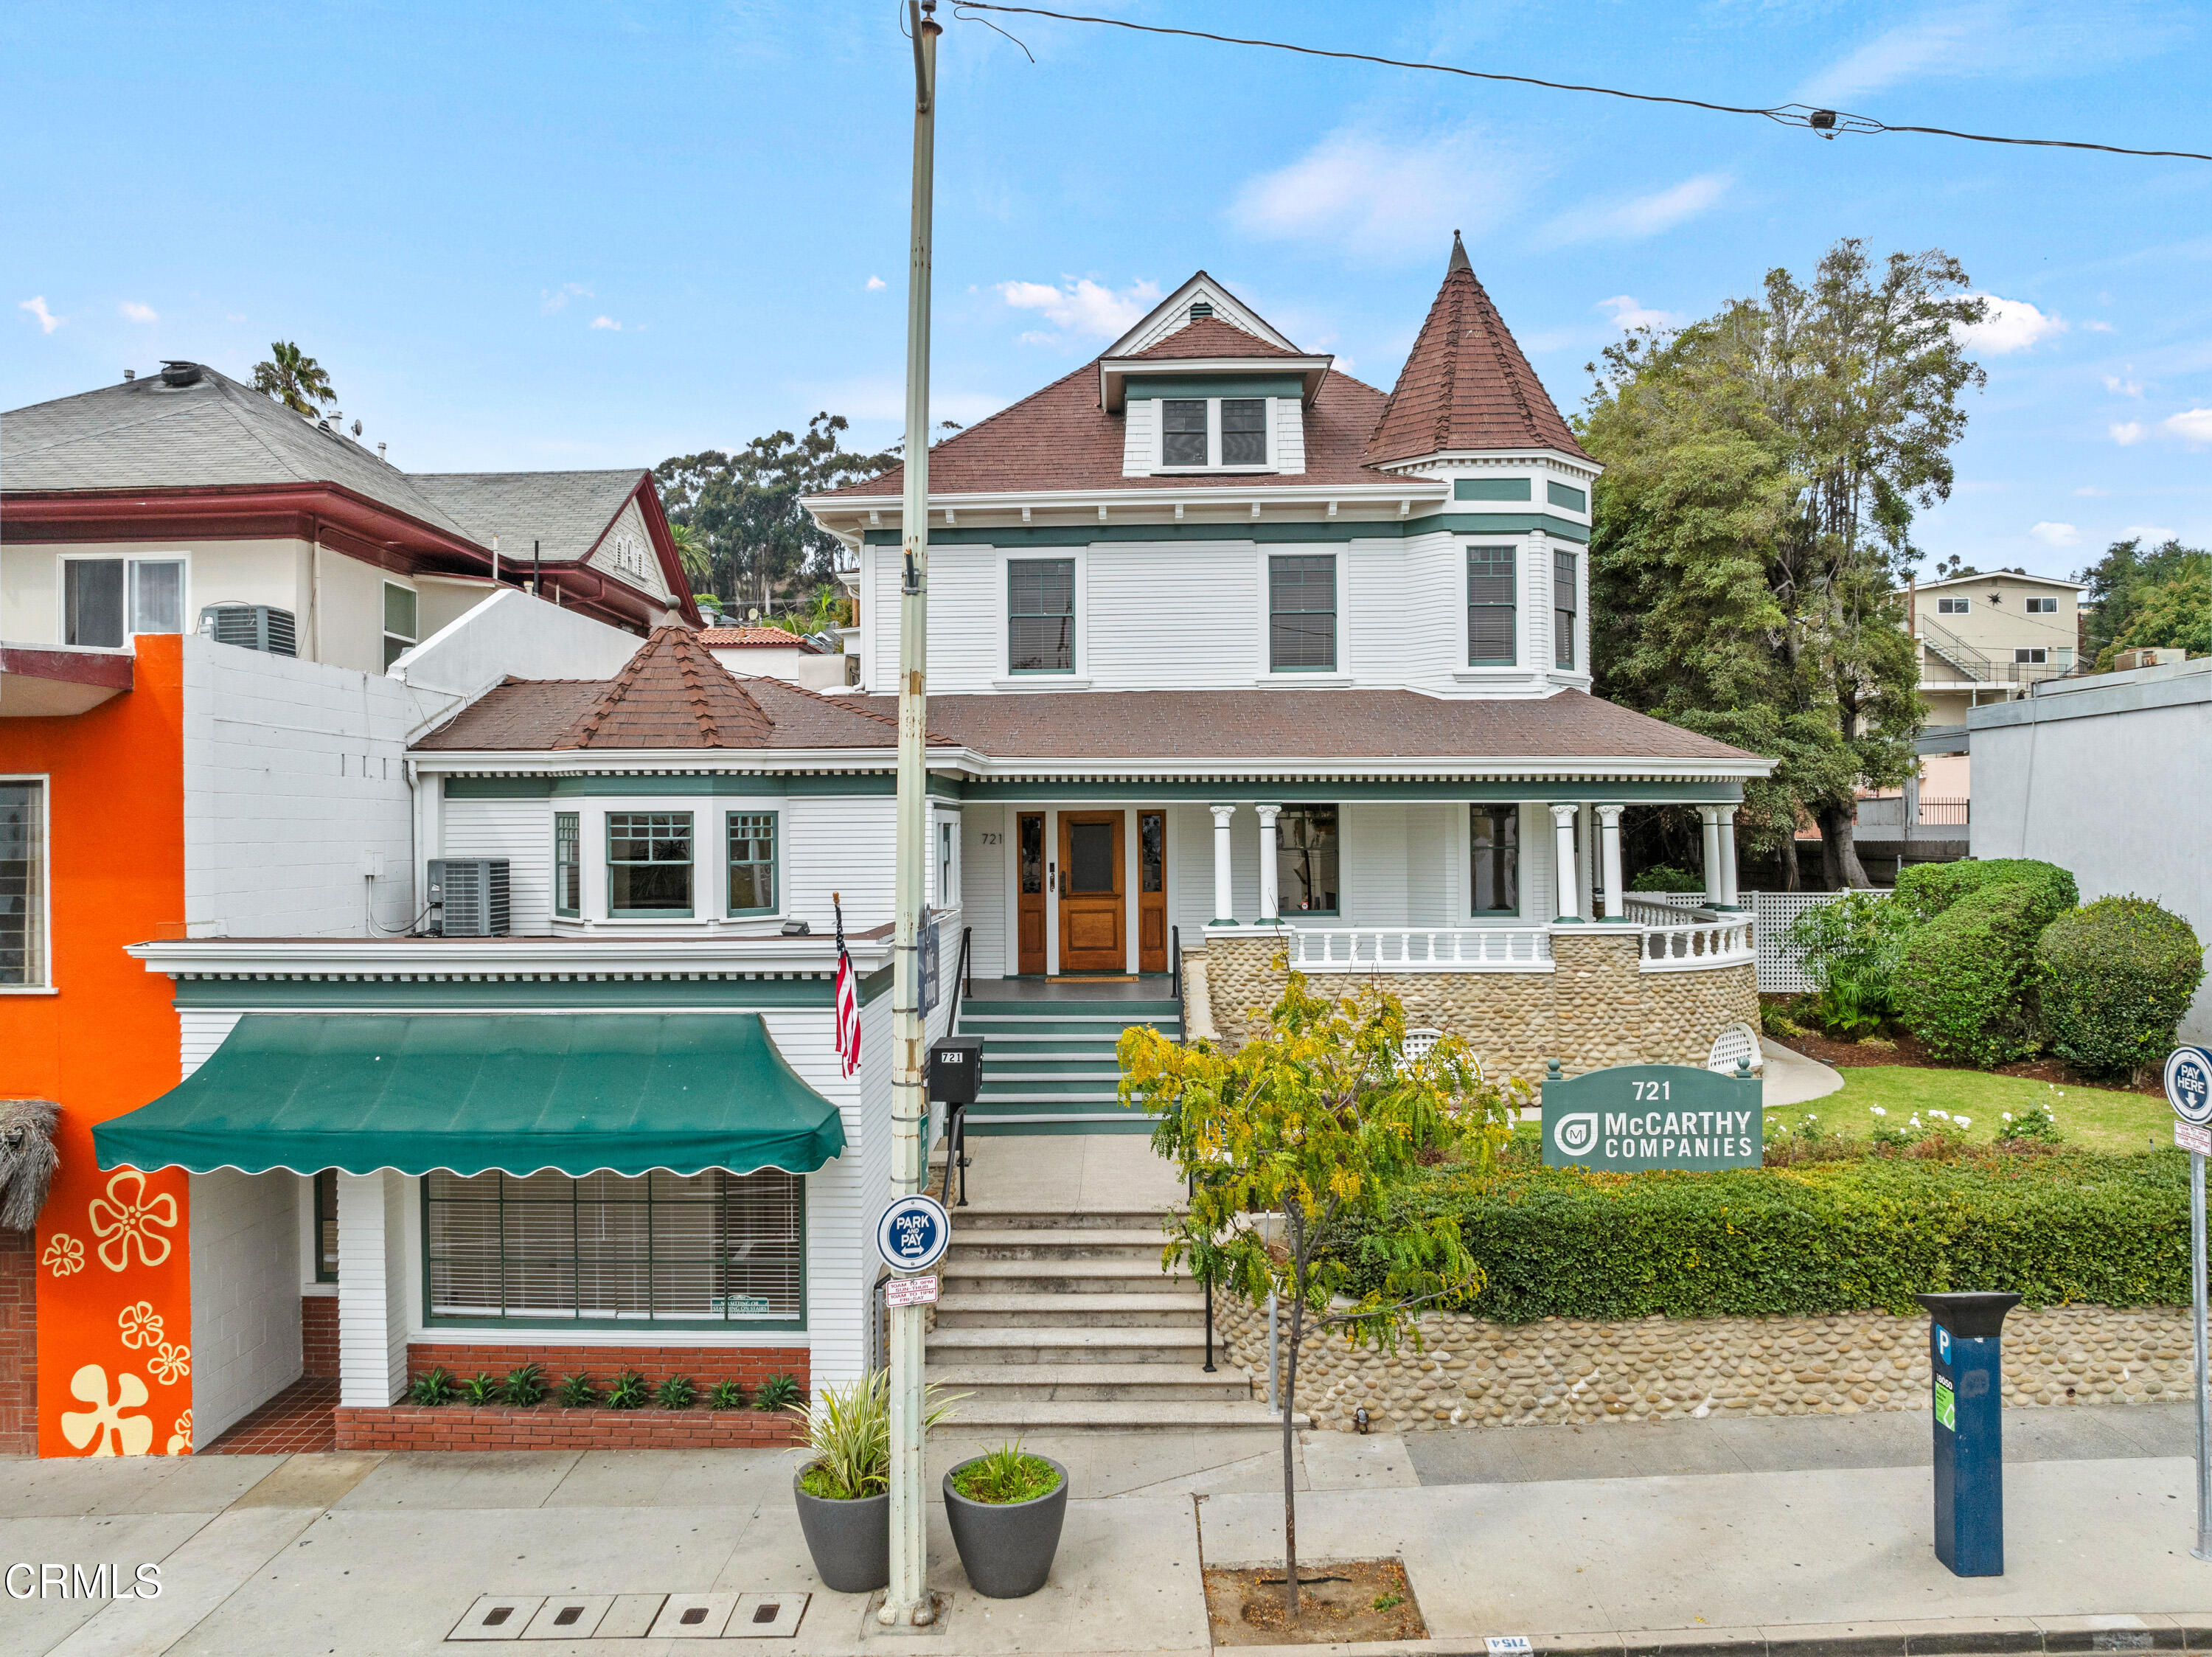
point(1635, 1117)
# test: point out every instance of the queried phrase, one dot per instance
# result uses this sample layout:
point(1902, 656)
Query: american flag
point(847, 999)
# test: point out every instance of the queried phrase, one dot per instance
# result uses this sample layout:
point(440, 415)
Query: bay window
point(1492, 614)
point(752, 862)
point(1564, 608)
point(649, 864)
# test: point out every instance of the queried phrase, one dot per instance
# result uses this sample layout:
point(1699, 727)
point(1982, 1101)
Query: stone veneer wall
point(1597, 1007)
point(1561, 1369)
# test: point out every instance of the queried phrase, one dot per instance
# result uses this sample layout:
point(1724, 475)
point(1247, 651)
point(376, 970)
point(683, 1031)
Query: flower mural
point(126, 1217)
point(63, 1255)
point(180, 1440)
point(171, 1364)
point(105, 1427)
point(140, 1323)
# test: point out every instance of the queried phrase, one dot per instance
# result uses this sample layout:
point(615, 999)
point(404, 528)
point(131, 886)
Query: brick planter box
point(548, 1427)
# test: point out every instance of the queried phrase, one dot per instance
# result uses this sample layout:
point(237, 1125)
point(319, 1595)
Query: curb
point(1962, 1636)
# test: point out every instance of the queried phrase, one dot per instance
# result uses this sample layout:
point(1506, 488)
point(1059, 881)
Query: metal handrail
point(1175, 963)
point(960, 971)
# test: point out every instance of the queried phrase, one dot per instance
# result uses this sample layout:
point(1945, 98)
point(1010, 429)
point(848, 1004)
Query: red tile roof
point(1210, 336)
point(1466, 385)
point(738, 638)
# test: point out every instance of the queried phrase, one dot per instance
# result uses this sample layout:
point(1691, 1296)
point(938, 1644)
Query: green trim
point(775, 862)
point(332, 995)
point(1492, 489)
point(1567, 496)
point(493, 1321)
point(323, 1216)
point(1137, 387)
point(1050, 791)
point(1568, 920)
point(575, 838)
point(498, 788)
point(1018, 536)
point(878, 983)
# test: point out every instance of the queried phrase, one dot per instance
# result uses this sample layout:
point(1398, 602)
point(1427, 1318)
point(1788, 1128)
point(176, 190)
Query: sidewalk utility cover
point(516, 1093)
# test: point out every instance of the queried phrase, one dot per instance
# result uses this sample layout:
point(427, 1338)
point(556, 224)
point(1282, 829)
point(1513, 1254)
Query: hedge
point(1817, 1237)
point(1965, 984)
point(2115, 979)
point(1928, 889)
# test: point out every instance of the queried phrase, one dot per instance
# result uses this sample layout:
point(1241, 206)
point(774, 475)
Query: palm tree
point(300, 383)
point(691, 552)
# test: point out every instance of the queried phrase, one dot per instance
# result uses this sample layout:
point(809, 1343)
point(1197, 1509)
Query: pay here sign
point(1635, 1117)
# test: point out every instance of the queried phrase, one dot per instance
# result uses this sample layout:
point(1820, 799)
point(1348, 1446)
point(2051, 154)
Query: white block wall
point(983, 887)
point(373, 1218)
point(521, 831)
point(245, 1294)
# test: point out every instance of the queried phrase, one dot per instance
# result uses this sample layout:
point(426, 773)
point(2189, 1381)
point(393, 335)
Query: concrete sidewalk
point(1805, 1534)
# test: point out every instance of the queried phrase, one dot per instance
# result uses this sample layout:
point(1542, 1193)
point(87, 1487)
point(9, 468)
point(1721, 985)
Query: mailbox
point(1968, 1401)
point(956, 1067)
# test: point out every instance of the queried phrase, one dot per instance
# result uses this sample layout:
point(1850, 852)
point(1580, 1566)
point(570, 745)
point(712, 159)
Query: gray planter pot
point(851, 1541)
point(1007, 1548)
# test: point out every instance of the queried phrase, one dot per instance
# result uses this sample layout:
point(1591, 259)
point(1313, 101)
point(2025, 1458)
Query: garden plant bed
point(549, 1426)
point(1244, 1604)
point(1907, 1050)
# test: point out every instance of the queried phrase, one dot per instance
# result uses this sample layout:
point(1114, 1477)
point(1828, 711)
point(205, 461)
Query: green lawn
point(2094, 1118)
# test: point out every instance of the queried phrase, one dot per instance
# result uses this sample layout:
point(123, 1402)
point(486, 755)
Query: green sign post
point(1635, 1117)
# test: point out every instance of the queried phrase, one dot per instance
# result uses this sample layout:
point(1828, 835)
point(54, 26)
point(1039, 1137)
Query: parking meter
point(1962, 1350)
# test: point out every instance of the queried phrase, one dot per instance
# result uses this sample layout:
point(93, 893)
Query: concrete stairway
point(1058, 1322)
point(1049, 1066)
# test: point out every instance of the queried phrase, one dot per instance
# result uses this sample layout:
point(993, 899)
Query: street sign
point(910, 1291)
point(1634, 1117)
point(2189, 1083)
point(914, 1234)
point(2188, 1137)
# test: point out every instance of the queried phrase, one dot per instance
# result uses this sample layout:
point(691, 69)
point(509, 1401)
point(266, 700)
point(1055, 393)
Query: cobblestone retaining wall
point(1562, 1369)
point(1595, 1008)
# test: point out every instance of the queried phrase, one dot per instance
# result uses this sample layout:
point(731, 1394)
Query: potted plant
point(843, 1488)
point(1006, 1508)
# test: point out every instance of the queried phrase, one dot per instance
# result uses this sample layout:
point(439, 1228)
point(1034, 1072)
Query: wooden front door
point(1029, 921)
point(1152, 892)
point(1091, 893)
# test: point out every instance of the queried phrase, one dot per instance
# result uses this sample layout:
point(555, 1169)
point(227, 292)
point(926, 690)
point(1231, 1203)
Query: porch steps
point(1061, 1322)
point(1049, 1065)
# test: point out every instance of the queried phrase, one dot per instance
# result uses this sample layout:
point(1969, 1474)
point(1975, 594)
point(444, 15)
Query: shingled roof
point(1466, 385)
point(1209, 336)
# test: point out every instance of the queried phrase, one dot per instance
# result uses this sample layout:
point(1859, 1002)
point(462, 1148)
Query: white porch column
point(1608, 832)
point(1225, 901)
point(1711, 816)
point(1566, 881)
point(372, 1288)
point(1270, 899)
point(1726, 828)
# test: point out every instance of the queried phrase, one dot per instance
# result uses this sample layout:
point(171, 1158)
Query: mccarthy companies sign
point(1652, 1116)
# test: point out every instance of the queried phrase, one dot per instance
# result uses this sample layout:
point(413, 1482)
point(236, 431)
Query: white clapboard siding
point(1174, 615)
point(199, 1034)
point(1436, 891)
point(1538, 858)
point(1536, 605)
point(839, 1217)
point(1290, 434)
point(1430, 612)
point(840, 843)
point(521, 831)
point(983, 886)
point(1137, 436)
point(1373, 859)
point(1378, 618)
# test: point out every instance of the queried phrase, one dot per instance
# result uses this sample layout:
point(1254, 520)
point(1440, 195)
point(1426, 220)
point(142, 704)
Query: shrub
point(727, 1395)
point(627, 1390)
point(1822, 1237)
point(1665, 877)
point(777, 1392)
point(435, 1385)
point(2115, 979)
point(1851, 947)
point(576, 1393)
point(1967, 986)
point(1776, 1022)
point(676, 1392)
point(525, 1385)
point(481, 1389)
point(1928, 889)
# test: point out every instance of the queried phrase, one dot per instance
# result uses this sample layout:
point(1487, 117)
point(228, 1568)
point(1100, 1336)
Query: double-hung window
point(399, 621)
point(752, 862)
point(1301, 614)
point(105, 600)
point(1212, 432)
point(1041, 615)
point(1495, 836)
point(1564, 608)
point(1182, 431)
point(2025, 653)
point(568, 865)
point(702, 1250)
point(1952, 606)
point(1491, 610)
point(1306, 851)
point(649, 864)
point(2043, 606)
point(22, 884)
point(1243, 431)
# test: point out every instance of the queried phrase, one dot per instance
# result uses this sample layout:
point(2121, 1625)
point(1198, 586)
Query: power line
point(1827, 123)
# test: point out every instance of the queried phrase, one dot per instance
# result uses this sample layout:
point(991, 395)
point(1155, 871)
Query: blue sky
point(598, 234)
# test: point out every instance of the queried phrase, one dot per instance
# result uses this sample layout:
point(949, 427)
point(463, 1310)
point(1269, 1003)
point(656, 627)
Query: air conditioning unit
point(468, 897)
point(251, 626)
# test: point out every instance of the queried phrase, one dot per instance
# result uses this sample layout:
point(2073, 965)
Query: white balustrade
point(1421, 949)
point(1698, 945)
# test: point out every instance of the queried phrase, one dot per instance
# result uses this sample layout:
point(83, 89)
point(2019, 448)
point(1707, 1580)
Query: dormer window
point(1214, 433)
point(1182, 431)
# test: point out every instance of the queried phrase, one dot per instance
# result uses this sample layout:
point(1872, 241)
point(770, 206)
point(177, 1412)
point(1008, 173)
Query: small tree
point(1293, 1146)
point(297, 381)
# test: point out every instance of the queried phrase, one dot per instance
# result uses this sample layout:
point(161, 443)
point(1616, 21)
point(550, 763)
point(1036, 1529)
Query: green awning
point(471, 1092)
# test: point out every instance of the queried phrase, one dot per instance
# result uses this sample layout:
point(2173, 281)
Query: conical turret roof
point(672, 693)
point(1466, 385)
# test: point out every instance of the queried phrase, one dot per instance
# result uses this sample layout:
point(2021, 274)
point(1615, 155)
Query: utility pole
point(907, 1601)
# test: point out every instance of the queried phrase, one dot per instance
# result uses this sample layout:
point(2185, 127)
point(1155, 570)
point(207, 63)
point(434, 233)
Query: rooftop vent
point(130, 374)
point(180, 374)
point(1200, 307)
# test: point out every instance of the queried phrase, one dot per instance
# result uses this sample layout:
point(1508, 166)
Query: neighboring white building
point(771, 653)
point(1990, 637)
point(2107, 776)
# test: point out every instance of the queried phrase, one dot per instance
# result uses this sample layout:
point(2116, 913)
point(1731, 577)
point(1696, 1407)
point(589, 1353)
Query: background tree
point(1764, 468)
point(1314, 1124)
point(298, 382)
point(2138, 600)
point(691, 553)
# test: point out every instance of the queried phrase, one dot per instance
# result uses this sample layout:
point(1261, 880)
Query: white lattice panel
point(1781, 969)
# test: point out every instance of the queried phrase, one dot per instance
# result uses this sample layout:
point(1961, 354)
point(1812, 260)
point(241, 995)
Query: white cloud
point(1640, 216)
point(876, 284)
point(2193, 426)
point(2020, 40)
point(1386, 196)
point(553, 300)
point(2091, 490)
point(2156, 534)
point(1933, 45)
point(2125, 432)
point(1628, 314)
point(2051, 535)
point(2120, 387)
point(2009, 326)
point(2098, 327)
point(135, 312)
point(608, 323)
point(36, 306)
point(1084, 308)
